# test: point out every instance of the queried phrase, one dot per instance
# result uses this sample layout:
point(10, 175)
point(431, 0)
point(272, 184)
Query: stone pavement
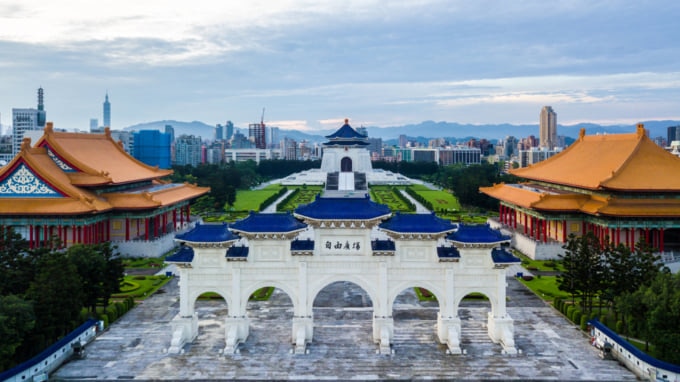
point(342, 349)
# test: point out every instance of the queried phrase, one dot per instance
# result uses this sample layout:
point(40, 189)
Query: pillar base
point(448, 332)
point(236, 331)
point(303, 330)
point(501, 330)
point(184, 330)
point(383, 332)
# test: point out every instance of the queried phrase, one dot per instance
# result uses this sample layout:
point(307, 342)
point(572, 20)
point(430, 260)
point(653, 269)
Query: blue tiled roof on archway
point(503, 256)
point(417, 223)
point(343, 209)
point(345, 132)
point(261, 223)
point(207, 233)
point(185, 254)
point(477, 234)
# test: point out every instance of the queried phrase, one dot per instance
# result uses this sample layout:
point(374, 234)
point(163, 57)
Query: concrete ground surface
point(342, 349)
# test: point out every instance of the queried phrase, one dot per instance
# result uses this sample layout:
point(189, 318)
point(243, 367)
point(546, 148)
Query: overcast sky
point(313, 63)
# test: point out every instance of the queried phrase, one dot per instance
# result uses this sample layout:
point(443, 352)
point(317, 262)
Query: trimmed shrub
point(105, 318)
point(570, 311)
point(527, 278)
point(584, 322)
point(576, 316)
point(619, 327)
point(120, 309)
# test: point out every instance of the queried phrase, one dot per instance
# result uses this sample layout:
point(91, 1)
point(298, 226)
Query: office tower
point(273, 137)
point(188, 150)
point(403, 141)
point(229, 130)
point(256, 134)
point(94, 124)
point(510, 146)
point(25, 120)
point(153, 148)
point(42, 117)
point(548, 128)
point(218, 132)
point(107, 111)
point(673, 134)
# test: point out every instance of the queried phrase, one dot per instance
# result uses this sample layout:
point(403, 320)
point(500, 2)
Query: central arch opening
point(211, 309)
point(473, 311)
point(343, 314)
point(414, 311)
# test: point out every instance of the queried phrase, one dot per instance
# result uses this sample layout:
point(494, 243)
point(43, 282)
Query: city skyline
point(312, 64)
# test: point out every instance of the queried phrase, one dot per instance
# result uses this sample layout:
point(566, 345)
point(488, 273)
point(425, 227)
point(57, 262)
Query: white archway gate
point(341, 251)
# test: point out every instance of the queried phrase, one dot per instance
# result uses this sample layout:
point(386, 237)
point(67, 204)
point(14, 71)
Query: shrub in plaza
point(105, 318)
point(584, 322)
point(570, 311)
point(576, 317)
point(619, 327)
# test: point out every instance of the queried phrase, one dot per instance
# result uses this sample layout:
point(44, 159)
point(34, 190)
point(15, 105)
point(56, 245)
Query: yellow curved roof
point(74, 197)
point(624, 162)
point(98, 157)
point(542, 199)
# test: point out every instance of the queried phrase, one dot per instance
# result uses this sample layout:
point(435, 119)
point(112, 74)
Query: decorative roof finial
point(582, 133)
point(346, 121)
point(641, 130)
point(49, 127)
point(25, 143)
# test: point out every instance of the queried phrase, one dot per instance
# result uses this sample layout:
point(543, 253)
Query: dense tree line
point(43, 292)
point(642, 297)
point(465, 182)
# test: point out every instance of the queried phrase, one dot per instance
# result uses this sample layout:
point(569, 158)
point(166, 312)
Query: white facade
point(358, 157)
point(23, 120)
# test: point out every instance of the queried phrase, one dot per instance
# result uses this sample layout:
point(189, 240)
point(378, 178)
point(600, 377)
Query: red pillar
point(174, 219)
point(661, 240)
point(525, 223)
point(564, 231)
point(30, 236)
point(146, 228)
point(545, 231)
point(127, 229)
point(647, 235)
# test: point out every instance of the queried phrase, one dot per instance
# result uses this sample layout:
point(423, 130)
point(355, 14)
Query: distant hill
point(425, 130)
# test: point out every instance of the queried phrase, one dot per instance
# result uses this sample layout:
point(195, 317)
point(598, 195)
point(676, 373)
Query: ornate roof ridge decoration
point(477, 236)
point(619, 162)
point(208, 235)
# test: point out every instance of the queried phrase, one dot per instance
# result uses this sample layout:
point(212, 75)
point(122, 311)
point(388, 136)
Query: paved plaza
point(342, 349)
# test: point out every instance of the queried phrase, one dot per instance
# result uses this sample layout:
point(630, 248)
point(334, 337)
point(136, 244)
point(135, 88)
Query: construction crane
point(262, 118)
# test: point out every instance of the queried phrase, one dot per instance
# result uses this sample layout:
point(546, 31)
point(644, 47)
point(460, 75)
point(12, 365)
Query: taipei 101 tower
point(107, 111)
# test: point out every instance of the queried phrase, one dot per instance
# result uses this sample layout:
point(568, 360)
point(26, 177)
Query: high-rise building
point(229, 127)
point(218, 132)
point(94, 124)
point(548, 128)
point(153, 148)
point(273, 137)
point(673, 134)
point(25, 120)
point(256, 134)
point(188, 150)
point(107, 111)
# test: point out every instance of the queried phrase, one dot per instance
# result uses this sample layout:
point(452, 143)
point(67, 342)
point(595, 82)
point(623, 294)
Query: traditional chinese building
point(343, 236)
point(72, 188)
point(622, 187)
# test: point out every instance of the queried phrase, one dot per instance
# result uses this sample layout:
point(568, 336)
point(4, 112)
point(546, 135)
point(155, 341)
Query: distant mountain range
point(424, 130)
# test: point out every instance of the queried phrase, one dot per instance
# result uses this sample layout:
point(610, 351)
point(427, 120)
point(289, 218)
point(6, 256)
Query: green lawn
point(140, 287)
point(545, 287)
point(250, 200)
point(539, 265)
point(440, 200)
point(304, 195)
point(388, 195)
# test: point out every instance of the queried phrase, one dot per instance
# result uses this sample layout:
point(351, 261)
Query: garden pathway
point(420, 209)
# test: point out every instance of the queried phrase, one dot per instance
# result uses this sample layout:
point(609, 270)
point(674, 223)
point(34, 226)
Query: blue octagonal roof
point(417, 223)
point(477, 234)
point(261, 223)
point(346, 132)
point(343, 209)
point(207, 233)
